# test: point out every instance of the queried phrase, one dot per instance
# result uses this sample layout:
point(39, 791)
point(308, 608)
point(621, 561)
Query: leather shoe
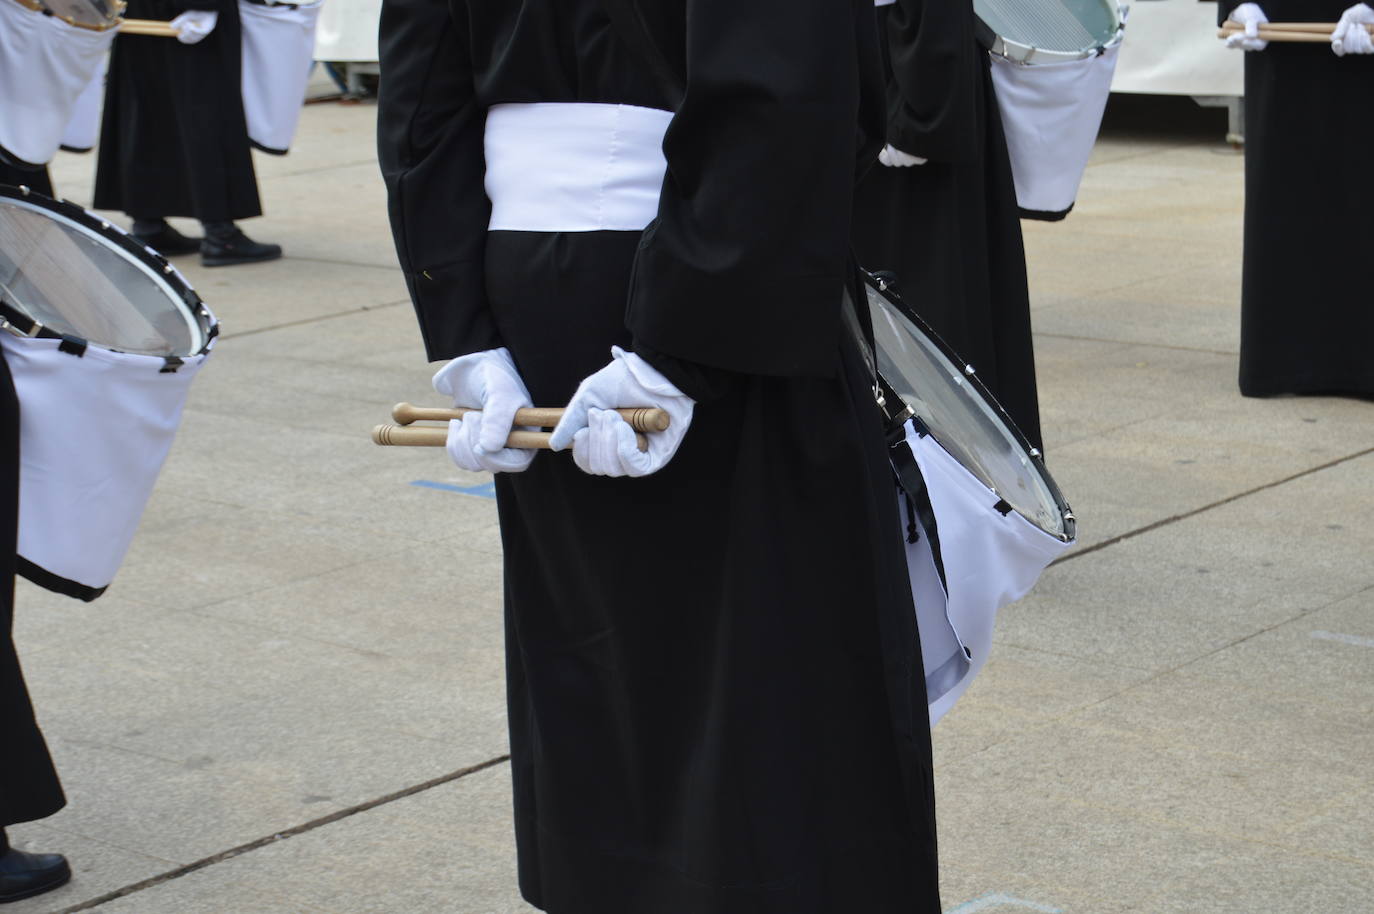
point(24, 875)
point(234, 248)
point(168, 242)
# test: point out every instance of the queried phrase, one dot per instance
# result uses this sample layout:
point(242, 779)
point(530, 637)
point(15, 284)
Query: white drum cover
point(44, 66)
point(990, 559)
point(94, 431)
point(1051, 114)
point(278, 52)
point(83, 130)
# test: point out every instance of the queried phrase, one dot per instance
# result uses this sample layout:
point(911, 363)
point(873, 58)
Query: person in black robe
point(1305, 320)
point(948, 228)
point(29, 787)
point(173, 138)
point(716, 701)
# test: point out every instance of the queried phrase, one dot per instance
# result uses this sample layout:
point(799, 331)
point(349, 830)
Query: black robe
point(173, 139)
point(29, 788)
point(34, 179)
point(715, 696)
point(1306, 314)
point(949, 229)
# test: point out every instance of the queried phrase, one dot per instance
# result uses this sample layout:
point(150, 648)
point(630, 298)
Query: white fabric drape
point(45, 65)
point(990, 559)
point(1051, 114)
point(93, 434)
point(83, 129)
point(278, 52)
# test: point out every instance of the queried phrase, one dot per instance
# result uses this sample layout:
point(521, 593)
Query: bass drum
point(983, 516)
point(103, 339)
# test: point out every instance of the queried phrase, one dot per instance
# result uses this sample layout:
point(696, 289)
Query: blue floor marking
point(485, 490)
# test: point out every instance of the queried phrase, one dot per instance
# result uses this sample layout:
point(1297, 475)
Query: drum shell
point(44, 66)
point(1051, 114)
point(94, 432)
point(991, 557)
point(278, 52)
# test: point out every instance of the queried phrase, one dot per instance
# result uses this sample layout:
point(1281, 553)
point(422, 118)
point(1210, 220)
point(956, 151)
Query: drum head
point(91, 14)
point(1064, 28)
point(64, 272)
point(958, 412)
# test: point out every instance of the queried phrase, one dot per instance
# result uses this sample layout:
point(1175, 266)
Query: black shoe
point(25, 875)
point(236, 247)
point(168, 242)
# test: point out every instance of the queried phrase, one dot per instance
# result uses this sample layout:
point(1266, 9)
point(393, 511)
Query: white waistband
point(574, 167)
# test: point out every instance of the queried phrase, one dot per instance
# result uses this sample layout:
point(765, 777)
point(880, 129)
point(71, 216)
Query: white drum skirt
point(45, 65)
point(278, 52)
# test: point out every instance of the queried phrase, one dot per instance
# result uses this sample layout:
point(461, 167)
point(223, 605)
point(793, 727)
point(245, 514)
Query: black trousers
point(29, 788)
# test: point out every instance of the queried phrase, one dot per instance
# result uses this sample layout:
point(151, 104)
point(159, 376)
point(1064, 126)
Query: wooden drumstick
point(431, 436)
point(1320, 28)
point(158, 28)
point(1290, 37)
point(641, 419)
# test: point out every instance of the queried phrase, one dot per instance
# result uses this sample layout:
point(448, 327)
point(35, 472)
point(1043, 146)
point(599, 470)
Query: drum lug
point(968, 370)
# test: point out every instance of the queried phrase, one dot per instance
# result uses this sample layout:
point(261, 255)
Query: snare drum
point(983, 516)
point(1052, 68)
point(278, 52)
point(45, 63)
point(104, 338)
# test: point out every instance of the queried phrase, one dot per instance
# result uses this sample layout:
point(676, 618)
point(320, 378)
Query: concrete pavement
point(291, 698)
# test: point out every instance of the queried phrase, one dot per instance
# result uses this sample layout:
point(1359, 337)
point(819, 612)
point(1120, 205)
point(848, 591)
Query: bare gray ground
point(291, 699)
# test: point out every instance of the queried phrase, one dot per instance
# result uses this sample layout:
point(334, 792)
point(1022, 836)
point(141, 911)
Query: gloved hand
point(194, 25)
point(1351, 35)
point(487, 381)
point(893, 157)
point(1252, 17)
point(603, 443)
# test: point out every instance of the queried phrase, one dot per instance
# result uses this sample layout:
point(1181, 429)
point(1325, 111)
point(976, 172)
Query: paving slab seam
point(336, 166)
point(300, 258)
point(1169, 521)
point(1302, 850)
point(1231, 353)
point(273, 838)
point(303, 322)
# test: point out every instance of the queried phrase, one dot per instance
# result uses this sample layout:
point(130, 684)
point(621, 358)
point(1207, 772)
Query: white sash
point(574, 167)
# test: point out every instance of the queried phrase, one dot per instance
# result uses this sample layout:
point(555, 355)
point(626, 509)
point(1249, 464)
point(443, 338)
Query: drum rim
point(158, 265)
point(1031, 452)
point(1028, 54)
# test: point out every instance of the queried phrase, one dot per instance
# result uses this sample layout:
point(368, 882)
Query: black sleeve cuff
point(700, 382)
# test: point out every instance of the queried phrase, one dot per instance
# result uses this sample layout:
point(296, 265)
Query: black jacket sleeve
point(936, 78)
point(430, 145)
point(744, 266)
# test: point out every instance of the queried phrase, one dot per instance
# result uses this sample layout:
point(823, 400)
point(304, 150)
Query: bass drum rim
point(971, 379)
point(1031, 55)
point(161, 270)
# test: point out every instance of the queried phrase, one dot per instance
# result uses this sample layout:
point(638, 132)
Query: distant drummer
point(174, 140)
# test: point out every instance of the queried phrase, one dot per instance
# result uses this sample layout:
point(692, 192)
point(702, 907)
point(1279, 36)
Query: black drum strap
point(629, 23)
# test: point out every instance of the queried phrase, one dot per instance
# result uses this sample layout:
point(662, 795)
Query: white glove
point(1351, 36)
point(193, 25)
point(489, 382)
point(1252, 17)
point(603, 443)
point(893, 157)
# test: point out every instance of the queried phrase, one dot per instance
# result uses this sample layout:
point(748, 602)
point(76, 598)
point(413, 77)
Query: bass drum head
point(74, 275)
point(1056, 28)
point(92, 14)
point(957, 411)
